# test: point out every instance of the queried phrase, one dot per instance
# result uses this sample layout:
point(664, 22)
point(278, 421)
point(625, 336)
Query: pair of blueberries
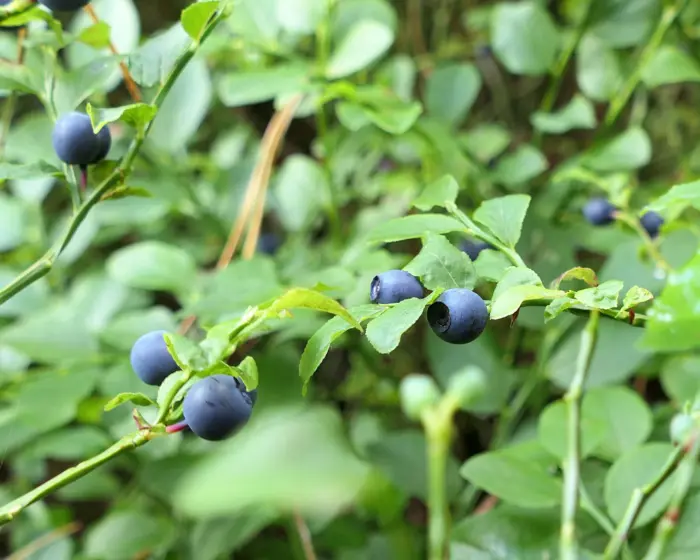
point(214, 408)
point(600, 212)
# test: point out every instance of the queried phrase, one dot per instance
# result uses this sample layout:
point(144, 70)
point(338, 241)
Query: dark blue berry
point(64, 5)
point(75, 142)
point(599, 211)
point(268, 243)
point(458, 316)
point(474, 248)
point(151, 360)
point(216, 406)
point(652, 222)
point(394, 286)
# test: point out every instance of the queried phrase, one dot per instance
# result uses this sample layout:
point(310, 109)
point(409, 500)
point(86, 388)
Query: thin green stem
point(45, 263)
point(651, 247)
point(8, 112)
point(637, 501)
point(599, 516)
point(684, 479)
point(475, 231)
point(127, 443)
point(618, 103)
point(568, 544)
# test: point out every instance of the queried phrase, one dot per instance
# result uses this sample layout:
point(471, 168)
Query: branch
point(46, 262)
point(637, 501)
point(568, 549)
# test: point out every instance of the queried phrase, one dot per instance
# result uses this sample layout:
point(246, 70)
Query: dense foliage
point(349, 279)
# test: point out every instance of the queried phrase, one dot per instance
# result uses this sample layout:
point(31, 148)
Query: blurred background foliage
point(560, 100)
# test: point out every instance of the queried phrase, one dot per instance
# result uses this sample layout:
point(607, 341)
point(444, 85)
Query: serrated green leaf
point(137, 115)
point(634, 296)
point(97, 35)
point(311, 299)
point(604, 296)
point(511, 300)
point(504, 216)
point(558, 306)
point(385, 331)
point(249, 372)
point(516, 276)
point(414, 226)
point(442, 265)
point(194, 18)
point(578, 273)
point(138, 399)
point(437, 192)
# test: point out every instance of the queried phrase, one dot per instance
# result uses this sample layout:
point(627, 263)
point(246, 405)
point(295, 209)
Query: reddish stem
point(174, 428)
point(83, 178)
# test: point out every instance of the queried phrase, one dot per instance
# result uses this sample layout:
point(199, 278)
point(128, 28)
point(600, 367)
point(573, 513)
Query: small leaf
point(520, 166)
point(511, 300)
point(319, 344)
point(558, 306)
point(516, 276)
point(249, 372)
point(138, 399)
point(442, 265)
point(410, 227)
point(578, 114)
point(451, 91)
point(96, 35)
point(365, 42)
point(255, 86)
point(578, 273)
point(634, 296)
point(677, 199)
point(504, 216)
point(384, 332)
point(194, 18)
point(670, 65)
point(626, 152)
point(601, 297)
point(186, 353)
point(311, 299)
point(137, 115)
point(437, 192)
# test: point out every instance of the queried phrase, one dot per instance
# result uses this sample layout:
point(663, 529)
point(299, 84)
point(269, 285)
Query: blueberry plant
point(349, 279)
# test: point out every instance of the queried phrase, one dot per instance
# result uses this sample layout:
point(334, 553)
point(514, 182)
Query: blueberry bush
point(349, 279)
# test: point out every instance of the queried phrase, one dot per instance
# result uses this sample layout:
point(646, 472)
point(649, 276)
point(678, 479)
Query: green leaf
point(680, 378)
point(634, 296)
point(249, 372)
point(670, 65)
point(515, 276)
point(521, 166)
point(153, 265)
point(411, 227)
point(511, 300)
point(677, 199)
point(301, 16)
point(436, 193)
point(557, 307)
point(685, 539)
point(320, 343)
point(504, 216)
point(673, 322)
point(442, 265)
point(492, 265)
point(385, 331)
point(364, 43)
point(486, 142)
point(255, 86)
point(300, 192)
point(27, 170)
point(524, 37)
point(553, 435)
point(626, 152)
point(97, 35)
point(194, 18)
point(515, 479)
point(577, 114)
point(185, 351)
point(137, 115)
point(145, 531)
point(597, 69)
point(451, 91)
point(634, 469)
point(577, 273)
point(138, 399)
point(311, 299)
point(604, 296)
point(621, 23)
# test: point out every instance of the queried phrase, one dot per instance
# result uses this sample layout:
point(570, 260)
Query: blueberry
point(394, 286)
point(268, 243)
point(473, 248)
point(75, 142)
point(151, 360)
point(216, 406)
point(652, 222)
point(458, 316)
point(64, 5)
point(599, 211)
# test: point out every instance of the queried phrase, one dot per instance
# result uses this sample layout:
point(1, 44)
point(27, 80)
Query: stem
point(437, 423)
point(617, 104)
point(127, 443)
point(667, 525)
point(45, 263)
point(477, 232)
point(568, 545)
point(588, 505)
point(637, 501)
point(634, 223)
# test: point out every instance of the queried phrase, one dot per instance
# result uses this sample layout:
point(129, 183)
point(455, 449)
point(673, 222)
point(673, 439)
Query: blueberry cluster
point(214, 408)
point(600, 211)
point(458, 316)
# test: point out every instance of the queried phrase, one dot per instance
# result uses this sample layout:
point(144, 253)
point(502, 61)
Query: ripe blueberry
point(599, 212)
point(652, 222)
point(151, 360)
point(268, 243)
point(217, 406)
point(473, 248)
point(394, 286)
point(75, 142)
point(64, 5)
point(458, 316)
